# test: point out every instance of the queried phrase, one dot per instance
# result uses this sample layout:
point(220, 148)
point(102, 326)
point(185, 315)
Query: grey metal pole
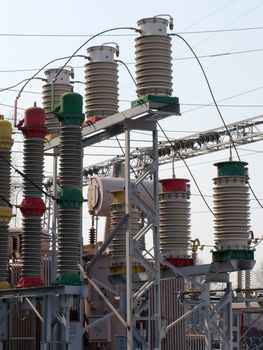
point(207, 324)
point(129, 244)
point(229, 318)
point(54, 217)
point(156, 242)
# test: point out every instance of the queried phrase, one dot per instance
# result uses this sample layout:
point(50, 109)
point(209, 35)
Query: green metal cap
point(70, 198)
point(231, 168)
point(69, 111)
point(67, 279)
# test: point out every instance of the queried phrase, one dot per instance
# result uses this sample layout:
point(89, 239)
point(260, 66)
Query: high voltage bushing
point(32, 206)
point(6, 143)
point(101, 81)
point(231, 212)
point(51, 93)
point(70, 196)
point(117, 247)
point(174, 213)
point(153, 58)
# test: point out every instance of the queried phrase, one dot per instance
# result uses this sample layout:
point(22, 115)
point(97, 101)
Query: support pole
point(129, 243)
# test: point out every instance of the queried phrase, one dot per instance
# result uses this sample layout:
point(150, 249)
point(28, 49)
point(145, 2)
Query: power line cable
point(229, 24)
point(87, 41)
point(43, 67)
point(126, 35)
point(218, 110)
point(6, 201)
point(188, 169)
point(209, 15)
point(25, 177)
point(215, 55)
point(173, 163)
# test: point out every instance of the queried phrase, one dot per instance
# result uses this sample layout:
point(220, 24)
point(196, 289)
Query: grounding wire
point(217, 108)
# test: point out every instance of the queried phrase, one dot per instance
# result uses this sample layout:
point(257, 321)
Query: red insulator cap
point(91, 120)
point(178, 262)
point(33, 207)
point(29, 282)
point(34, 123)
point(174, 185)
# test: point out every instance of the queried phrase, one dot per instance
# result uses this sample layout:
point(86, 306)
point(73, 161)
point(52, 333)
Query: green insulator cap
point(70, 198)
point(69, 112)
point(231, 168)
point(68, 279)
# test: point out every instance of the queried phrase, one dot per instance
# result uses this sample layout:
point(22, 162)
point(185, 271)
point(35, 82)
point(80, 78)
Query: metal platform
point(114, 124)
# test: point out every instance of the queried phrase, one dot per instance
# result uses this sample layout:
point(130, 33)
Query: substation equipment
point(136, 287)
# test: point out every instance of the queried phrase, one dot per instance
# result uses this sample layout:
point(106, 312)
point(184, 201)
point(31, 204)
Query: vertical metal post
point(54, 217)
point(156, 243)
point(229, 318)
point(129, 243)
point(206, 315)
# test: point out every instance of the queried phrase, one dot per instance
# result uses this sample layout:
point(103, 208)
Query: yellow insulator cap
point(6, 140)
point(5, 214)
point(4, 285)
point(118, 197)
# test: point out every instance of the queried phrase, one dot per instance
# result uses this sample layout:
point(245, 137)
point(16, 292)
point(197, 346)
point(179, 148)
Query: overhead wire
point(214, 55)
point(217, 108)
point(87, 41)
point(228, 25)
point(209, 15)
point(176, 152)
point(19, 172)
point(129, 35)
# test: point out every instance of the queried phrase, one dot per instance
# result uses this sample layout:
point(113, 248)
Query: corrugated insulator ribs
point(6, 143)
point(51, 93)
point(174, 210)
point(70, 197)
point(231, 206)
point(32, 206)
point(117, 248)
point(101, 80)
point(153, 58)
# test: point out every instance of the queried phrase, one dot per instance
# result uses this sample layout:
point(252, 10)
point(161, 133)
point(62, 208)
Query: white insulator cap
point(101, 53)
point(62, 78)
point(153, 26)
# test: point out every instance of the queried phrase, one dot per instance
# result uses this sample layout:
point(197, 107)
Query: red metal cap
point(28, 282)
point(33, 207)
point(174, 185)
point(34, 123)
point(34, 116)
point(178, 262)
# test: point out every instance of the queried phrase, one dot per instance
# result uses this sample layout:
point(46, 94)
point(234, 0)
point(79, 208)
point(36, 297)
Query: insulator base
point(120, 269)
point(233, 254)
point(4, 285)
point(28, 282)
point(68, 279)
point(178, 262)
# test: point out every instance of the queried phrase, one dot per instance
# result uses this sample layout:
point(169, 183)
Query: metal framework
point(145, 163)
point(242, 132)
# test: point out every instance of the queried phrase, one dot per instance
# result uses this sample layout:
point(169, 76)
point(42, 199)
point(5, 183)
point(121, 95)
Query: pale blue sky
point(228, 75)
